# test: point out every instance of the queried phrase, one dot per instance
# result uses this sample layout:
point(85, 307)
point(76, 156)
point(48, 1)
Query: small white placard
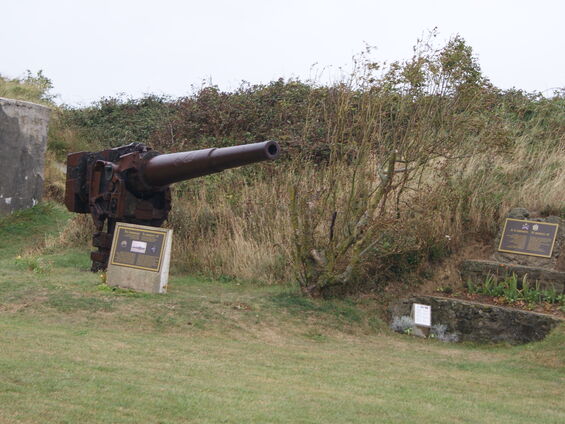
point(138, 246)
point(422, 315)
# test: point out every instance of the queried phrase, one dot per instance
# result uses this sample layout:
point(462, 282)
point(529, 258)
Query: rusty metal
point(131, 183)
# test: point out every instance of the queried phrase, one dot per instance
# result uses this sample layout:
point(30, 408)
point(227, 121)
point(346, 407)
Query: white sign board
point(422, 315)
point(138, 246)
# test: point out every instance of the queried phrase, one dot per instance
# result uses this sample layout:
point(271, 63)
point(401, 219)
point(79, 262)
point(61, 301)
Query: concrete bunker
point(23, 141)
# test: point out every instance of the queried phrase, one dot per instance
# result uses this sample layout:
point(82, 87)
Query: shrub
point(32, 88)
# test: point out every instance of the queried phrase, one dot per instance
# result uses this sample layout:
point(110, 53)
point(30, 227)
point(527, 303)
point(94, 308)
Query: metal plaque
point(528, 237)
point(138, 247)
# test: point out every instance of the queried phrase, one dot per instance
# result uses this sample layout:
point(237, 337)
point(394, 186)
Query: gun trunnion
point(131, 183)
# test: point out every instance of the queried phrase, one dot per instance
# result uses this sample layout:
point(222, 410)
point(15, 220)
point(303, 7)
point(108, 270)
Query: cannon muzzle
point(169, 168)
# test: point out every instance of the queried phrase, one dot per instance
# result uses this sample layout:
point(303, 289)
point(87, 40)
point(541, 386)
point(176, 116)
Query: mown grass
point(75, 350)
point(69, 373)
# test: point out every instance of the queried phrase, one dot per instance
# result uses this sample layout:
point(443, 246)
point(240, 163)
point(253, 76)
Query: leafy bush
point(403, 324)
point(116, 121)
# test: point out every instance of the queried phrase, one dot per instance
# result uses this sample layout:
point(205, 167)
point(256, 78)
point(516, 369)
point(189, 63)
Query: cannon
point(131, 183)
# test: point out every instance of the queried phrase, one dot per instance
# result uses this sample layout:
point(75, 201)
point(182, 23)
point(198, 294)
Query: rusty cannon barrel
point(169, 168)
point(131, 183)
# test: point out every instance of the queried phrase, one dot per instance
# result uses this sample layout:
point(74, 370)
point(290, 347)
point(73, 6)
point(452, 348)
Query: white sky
point(97, 48)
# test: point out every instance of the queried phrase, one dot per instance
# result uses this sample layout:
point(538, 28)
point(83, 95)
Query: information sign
point(422, 315)
point(138, 247)
point(525, 237)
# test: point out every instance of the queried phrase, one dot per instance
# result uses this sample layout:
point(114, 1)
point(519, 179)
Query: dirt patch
point(238, 306)
point(446, 273)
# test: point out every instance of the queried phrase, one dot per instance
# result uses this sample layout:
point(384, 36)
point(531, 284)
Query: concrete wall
point(23, 140)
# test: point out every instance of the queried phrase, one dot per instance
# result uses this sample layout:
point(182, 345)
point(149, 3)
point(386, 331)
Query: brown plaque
point(528, 237)
point(138, 247)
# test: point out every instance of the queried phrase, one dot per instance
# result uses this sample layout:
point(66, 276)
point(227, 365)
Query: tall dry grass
point(235, 228)
point(230, 227)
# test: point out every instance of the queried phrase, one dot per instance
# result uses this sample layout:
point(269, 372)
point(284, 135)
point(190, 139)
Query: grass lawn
point(73, 350)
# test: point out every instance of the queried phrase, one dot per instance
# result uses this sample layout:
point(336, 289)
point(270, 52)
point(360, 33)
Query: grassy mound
point(384, 174)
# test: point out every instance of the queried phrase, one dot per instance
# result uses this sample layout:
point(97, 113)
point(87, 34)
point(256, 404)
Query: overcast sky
point(93, 49)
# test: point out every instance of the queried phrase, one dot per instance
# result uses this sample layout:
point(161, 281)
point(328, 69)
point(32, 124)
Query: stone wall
point(475, 322)
point(23, 140)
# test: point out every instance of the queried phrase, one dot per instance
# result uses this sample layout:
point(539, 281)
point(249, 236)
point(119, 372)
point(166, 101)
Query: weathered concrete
point(23, 140)
point(461, 320)
point(477, 271)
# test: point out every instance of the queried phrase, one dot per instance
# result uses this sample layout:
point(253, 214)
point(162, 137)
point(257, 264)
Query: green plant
point(34, 263)
point(445, 290)
point(32, 87)
point(512, 290)
point(117, 121)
